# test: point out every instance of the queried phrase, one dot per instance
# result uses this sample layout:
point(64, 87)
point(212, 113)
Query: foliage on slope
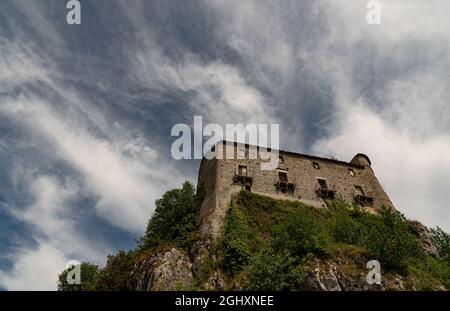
point(269, 244)
point(284, 235)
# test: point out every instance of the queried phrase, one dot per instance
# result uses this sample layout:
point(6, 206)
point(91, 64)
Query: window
point(282, 176)
point(280, 160)
point(359, 190)
point(316, 165)
point(242, 170)
point(322, 183)
point(351, 172)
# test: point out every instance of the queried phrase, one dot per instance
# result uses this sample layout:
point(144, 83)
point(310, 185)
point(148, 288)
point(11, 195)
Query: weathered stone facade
point(302, 177)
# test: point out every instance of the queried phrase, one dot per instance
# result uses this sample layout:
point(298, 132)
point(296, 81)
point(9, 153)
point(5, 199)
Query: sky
point(86, 110)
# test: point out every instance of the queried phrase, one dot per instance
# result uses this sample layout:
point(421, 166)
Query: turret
point(361, 159)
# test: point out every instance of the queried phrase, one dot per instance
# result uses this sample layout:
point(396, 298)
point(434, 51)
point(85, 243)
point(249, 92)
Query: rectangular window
point(242, 170)
point(359, 190)
point(351, 172)
point(316, 165)
point(322, 183)
point(282, 176)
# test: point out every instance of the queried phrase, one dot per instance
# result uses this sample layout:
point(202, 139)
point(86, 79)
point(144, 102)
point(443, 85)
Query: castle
point(306, 178)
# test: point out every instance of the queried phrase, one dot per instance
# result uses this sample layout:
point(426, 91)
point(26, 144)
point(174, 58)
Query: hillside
point(269, 244)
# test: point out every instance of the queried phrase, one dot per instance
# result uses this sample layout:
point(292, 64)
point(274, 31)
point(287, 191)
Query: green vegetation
point(442, 241)
point(175, 218)
point(283, 235)
point(272, 270)
point(115, 274)
point(88, 275)
point(301, 234)
point(267, 244)
point(235, 248)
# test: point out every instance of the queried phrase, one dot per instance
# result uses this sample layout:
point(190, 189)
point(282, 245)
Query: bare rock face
point(215, 282)
point(199, 254)
point(342, 274)
point(330, 276)
point(169, 270)
point(424, 236)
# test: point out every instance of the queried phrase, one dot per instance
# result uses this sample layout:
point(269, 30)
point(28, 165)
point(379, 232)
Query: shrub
point(175, 217)
point(274, 270)
point(236, 250)
point(88, 277)
point(441, 240)
point(439, 269)
point(347, 229)
point(301, 234)
point(115, 274)
point(389, 239)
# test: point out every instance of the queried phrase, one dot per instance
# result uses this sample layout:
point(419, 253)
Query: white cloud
point(119, 169)
point(35, 269)
point(222, 92)
point(125, 185)
point(413, 171)
point(58, 241)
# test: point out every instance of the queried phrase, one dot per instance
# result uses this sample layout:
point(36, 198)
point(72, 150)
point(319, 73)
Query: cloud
point(124, 184)
point(82, 155)
point(35, 269)
point(413, 171)
point(221, 92)
point(391, 101)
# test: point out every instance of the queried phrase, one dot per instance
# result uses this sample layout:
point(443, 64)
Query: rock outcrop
point(168, 270)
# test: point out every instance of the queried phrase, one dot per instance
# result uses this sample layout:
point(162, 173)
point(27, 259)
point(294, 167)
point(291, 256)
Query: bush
point(115, 274)
point(439, 269)
point(390, 239)
point(88, 277)
point(274, 270)
point(301, 234)
point(236, 250)
point(348, 230)
point(175, 218)
point(441, 240)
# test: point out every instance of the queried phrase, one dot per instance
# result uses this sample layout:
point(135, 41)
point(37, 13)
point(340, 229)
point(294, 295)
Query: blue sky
point(86, 110)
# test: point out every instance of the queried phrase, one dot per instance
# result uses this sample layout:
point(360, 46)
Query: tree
point(115, 275)
point(175, 217)
point(88, 275)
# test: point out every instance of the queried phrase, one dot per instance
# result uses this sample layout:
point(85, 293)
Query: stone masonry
point(308, 179)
